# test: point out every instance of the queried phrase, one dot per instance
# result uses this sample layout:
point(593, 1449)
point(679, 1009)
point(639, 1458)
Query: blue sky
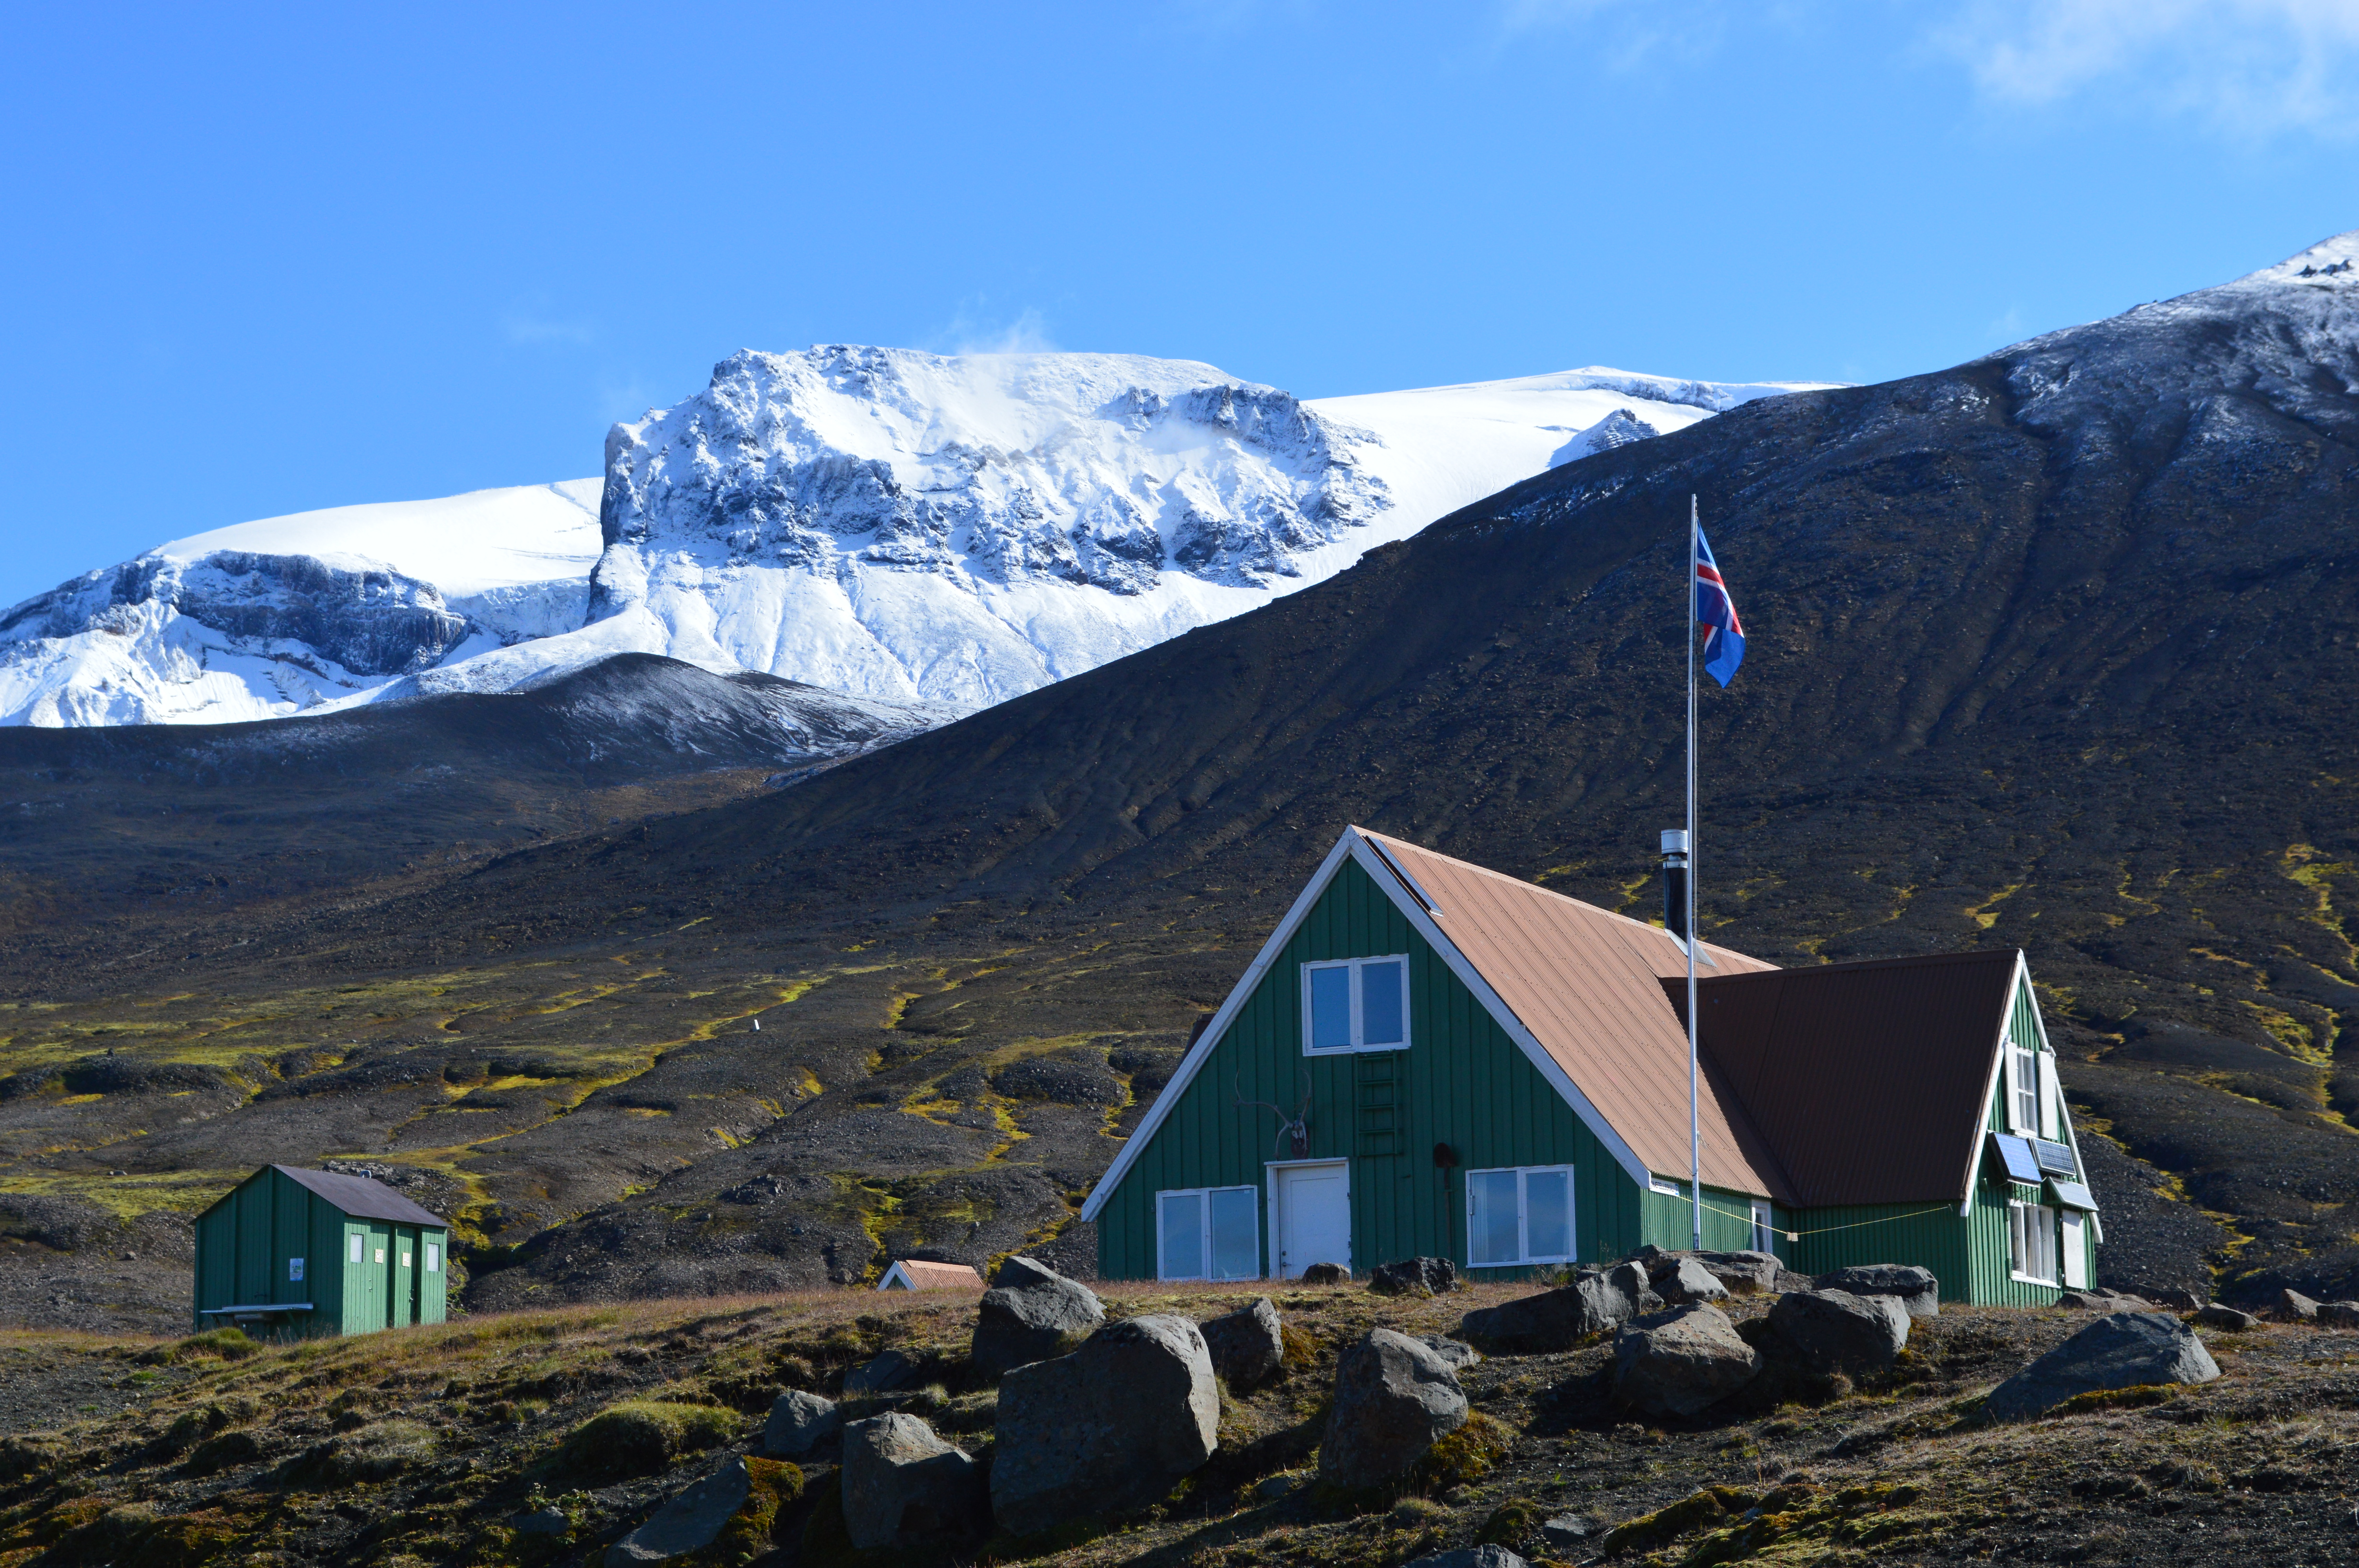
point(259, 260)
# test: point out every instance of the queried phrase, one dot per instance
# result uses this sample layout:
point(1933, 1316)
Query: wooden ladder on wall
point(1379, 1103)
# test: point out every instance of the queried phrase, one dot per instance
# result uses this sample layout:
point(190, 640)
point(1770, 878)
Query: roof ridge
point(1529, 886)
point(1853, 966)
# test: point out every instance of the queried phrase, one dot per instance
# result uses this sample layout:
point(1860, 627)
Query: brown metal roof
point(360, 1197)
point(1587, 983)
point(924, 1275)
point(1866, 1079)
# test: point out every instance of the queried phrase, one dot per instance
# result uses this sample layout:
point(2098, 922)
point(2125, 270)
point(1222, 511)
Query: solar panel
point(2016, 1154)
point(2073, 1195)
point(2056, 1159)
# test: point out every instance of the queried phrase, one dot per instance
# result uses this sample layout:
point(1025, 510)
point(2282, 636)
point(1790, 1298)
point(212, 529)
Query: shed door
point(2076, 1249)
point(1314, 1217)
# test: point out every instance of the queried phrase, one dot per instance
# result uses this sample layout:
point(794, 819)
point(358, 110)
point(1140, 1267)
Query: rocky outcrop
point(2230, 1318)
point(1414, 1277)
point(1915, 1289)
point(1541, 1324)
point(1743, 1274)
point(800, 1424)
point(1681, 1280)
point(1681, 1361)
point(880, 1374)
point(1456, 1354)
point(1037, 1315)
point(1394, 1398)
point(2124, 1351)
point(2339, 1315)
point(739, 1499)
point(1106, 1431)
point(1246, 1345)
point(2296, 1307)
point(1470, 1557)
point(905, 1488)
point(1836, 1332)
point(1326, 1275)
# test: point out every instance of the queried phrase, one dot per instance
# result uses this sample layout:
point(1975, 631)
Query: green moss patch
point(641, 1437)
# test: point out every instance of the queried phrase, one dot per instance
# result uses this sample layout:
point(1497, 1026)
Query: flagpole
point(1695, 1117)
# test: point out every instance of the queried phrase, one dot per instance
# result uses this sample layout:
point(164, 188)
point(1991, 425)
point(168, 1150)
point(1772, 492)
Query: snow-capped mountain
point(888, 524)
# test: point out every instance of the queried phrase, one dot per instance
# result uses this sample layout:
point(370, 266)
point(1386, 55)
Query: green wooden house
point(1428, 1058)
point(290, 1253)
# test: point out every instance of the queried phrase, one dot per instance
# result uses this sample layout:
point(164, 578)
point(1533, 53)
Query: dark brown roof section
point(1866, 1080)
point(362, 1197)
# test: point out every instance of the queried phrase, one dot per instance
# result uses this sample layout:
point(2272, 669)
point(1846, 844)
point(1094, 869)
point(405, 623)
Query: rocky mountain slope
point(2046, 651)
point(879, 521)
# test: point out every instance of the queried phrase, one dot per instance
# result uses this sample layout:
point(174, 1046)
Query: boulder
point(1455, 1353)
point(1015, 1272)
point(799, 1423)
point(1044, 1317)
point(1247, 1344)
point(1685, 1280)
point(541, 1521)
point(1915, 1289)
point(880, 1374)
point(1636, 1285)
point(691, 1521)
point(2175, 1297)
point(2123, 1351)
point(1566, 1532)
point(1679, 1362)
point(2227, 1317)
point(2339, 1315)
point(1414, 1277)
point(905, 1488)
point(1107, 1430)
point(2296, 1307)
point(1744, 1273)
point(1470, 1557)
point(1326, 1275)
point(2102, 1300)
point(1556, 1320)
point(1394, 1398)
point(1834, 1331)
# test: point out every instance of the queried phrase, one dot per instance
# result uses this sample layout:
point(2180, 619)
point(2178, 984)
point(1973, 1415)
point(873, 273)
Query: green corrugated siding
point(1670, 1222)
point(1888, 1233)
point(1462, 1081)
point(247, 1242)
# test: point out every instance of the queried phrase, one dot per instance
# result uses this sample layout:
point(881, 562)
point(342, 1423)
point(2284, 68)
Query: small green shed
point(292, 1254)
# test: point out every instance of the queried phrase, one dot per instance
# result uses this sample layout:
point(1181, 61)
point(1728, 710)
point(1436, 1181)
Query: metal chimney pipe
point(1675, 881)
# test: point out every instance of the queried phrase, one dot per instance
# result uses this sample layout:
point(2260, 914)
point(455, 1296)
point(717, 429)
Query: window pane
point(1491, 1222)
point(1380, 1004)
point(1183, 1236)
point(1548, 1214)
point(1236, 1241)
point(1330, 1009)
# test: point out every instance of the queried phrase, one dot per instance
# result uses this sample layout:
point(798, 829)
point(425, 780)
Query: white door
point(1314, 1217)
point(2076, 1249)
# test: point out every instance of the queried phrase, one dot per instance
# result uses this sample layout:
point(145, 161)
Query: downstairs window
point(1208, 1233)
point(1521, 1216)
point(2032, 1242)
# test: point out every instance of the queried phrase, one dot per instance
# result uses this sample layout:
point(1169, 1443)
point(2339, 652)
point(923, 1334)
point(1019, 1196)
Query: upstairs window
point(2025, 1085)
point(1519, 1216)
point(1356, 1004)
point(1208, 1233)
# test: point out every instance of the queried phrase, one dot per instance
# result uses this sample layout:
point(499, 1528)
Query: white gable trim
point(1374, 861)
point(1197, 1054)
point(2001, 1070)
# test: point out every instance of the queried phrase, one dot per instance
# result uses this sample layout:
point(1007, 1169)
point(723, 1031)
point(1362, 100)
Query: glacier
point(901, 527)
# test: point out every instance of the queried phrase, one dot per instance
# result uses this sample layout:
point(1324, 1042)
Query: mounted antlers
point(1297, 1127)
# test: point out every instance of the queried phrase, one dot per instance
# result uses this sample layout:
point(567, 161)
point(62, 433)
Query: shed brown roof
point(1587, 983)
point(925, 1275)
point(1866, 1079)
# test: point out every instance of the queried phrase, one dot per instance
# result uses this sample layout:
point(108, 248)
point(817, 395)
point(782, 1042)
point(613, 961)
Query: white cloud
point(1027, 334)
point(2254, 67)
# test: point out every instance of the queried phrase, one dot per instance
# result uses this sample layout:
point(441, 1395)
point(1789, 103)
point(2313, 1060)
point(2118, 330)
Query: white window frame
point(359, 1246)
point(1523, 1216)
point(1359, 1031)
point(2022, 1228)
point(1765, 1228)
point(433, 1256)
point(2018, 1056)
point(1205, 1261)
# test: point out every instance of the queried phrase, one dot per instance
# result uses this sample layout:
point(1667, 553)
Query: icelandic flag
point(1723, 644)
